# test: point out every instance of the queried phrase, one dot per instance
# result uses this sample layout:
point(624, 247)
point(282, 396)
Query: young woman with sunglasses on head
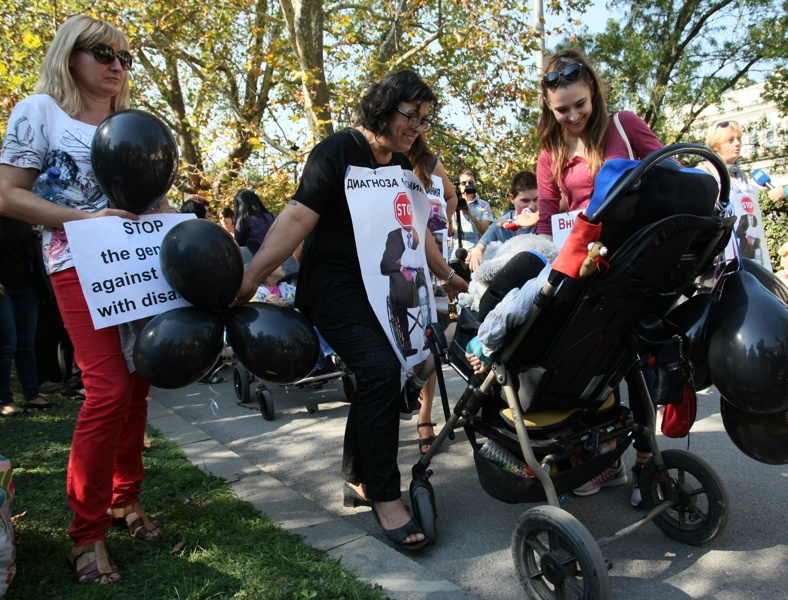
point(84, 79)
point(577, 136)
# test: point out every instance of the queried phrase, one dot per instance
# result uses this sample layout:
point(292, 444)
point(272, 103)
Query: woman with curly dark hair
point(332, 291)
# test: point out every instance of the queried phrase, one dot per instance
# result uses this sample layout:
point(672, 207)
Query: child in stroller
point(547, 401)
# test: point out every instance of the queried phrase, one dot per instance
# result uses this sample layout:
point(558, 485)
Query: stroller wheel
point(423, 502)
point(241, 380)
point(701, 511)
point(556, 557)
point(349, 386)
point(266, 402)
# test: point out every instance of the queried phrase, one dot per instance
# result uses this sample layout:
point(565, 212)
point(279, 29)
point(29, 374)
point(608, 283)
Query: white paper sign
point(748, 231)
point(562, 225)
point(389, 210)
point(117, 261)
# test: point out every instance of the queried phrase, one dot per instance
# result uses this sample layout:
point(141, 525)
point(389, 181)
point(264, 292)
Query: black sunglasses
point(569, 73)
point(723, 124)
point(106, 55)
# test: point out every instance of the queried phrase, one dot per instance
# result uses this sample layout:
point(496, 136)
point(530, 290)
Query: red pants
point(105, 464)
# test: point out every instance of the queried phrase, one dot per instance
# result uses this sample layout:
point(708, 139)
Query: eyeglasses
point(569, 73)
point(723, 124)
point(414, 122)
point(106, 55)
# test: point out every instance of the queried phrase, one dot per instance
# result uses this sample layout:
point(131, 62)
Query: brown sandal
point(99, 568)
point(140, 525)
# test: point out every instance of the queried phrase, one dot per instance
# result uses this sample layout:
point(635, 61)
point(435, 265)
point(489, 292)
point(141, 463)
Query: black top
point(330, 281)
point(17, 253)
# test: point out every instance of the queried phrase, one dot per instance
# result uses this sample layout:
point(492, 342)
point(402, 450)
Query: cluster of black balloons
point(202, 263)
point(738, 340)
point(135, 158)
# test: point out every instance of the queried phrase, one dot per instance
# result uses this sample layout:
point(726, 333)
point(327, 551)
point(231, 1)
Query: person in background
point(778, 193)
point(252, 219)
point(18, 315)
point(227, 219)
point(206, 206)
point(523, 194)
point(725, 138)
point(194, 206)
point(474, 213)
point(332, 293)
point(84, 79)
point(428, 168)
point(577, 136)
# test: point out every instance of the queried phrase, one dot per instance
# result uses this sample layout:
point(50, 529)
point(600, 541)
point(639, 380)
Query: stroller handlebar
point(630, 179)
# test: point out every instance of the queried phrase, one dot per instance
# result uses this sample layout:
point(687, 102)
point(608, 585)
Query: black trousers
point(372, 431)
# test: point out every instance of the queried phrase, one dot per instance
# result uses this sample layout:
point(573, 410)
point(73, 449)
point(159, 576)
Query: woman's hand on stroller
point(474, 352)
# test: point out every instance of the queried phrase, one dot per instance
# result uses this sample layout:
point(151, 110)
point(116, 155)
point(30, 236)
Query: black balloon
point(135, 158)
point(692, 318)
point(276, 343)
point(762, 437)
point(764, 276)
point(179, 346)
point(748, 345)
point(202, 262)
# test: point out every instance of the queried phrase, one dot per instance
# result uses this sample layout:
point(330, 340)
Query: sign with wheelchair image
point(749, 234)
point(389, 209)
point(117, 261)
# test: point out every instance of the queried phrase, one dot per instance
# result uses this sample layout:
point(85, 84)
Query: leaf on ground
point(178, 547)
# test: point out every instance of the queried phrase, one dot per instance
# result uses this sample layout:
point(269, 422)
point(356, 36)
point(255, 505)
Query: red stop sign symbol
point(748, 205)
point(403, 211)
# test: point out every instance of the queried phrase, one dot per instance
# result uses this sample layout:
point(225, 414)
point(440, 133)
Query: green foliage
point(239, 95)
point(213, 545)
point(669, 60)
point(775, 222)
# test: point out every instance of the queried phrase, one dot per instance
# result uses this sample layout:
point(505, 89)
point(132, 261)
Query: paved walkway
point(370, 558)
point(289, 469)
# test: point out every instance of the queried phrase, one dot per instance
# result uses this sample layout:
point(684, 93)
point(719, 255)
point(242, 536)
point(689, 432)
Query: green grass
point(229, 549)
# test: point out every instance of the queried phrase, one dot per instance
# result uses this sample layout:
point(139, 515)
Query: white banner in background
point(117, 261)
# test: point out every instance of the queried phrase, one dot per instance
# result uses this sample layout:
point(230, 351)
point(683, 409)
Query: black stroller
point(548, 398)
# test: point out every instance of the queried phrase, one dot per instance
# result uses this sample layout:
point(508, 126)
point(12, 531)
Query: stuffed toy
point(525, 218)
point(496, 255)
point(595, 260)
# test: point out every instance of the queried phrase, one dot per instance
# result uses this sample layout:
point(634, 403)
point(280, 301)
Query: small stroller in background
point(548, 402)
point(331, 369)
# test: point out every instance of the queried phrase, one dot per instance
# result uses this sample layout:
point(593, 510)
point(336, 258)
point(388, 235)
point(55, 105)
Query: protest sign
point(562, 225)
point(117, 261)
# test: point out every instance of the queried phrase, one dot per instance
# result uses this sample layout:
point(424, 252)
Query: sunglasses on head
point(569, 73)
point(106, 55)
point(723, 124)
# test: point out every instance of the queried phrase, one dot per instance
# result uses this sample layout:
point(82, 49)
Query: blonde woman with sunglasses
point(577, 136)
point(84, 79)
point(725, 138)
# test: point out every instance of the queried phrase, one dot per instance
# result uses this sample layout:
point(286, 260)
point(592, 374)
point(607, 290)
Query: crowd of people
point(323, 230)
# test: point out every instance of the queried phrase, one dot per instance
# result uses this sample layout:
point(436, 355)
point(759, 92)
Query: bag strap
point(623, 135)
